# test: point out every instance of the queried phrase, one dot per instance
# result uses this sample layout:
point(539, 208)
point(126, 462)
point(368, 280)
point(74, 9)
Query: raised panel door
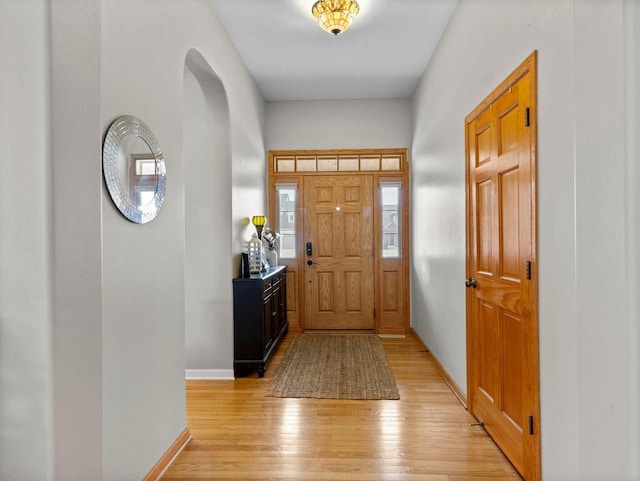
point(502, 294)
point(339, 273)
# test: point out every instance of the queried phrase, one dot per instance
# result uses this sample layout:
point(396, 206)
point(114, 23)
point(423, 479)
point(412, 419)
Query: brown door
point(338, 225)
point(502, 330)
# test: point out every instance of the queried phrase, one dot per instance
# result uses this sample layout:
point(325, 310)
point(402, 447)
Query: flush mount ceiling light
point(335, 16)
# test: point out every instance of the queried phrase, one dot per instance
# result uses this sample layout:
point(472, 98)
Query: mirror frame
point(121, 128)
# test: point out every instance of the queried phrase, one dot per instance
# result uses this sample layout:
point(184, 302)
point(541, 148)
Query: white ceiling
point(382, 55)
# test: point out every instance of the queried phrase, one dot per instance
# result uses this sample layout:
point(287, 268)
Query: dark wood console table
point(259, 318)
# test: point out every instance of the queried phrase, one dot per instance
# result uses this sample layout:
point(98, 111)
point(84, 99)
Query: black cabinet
point(260, 319)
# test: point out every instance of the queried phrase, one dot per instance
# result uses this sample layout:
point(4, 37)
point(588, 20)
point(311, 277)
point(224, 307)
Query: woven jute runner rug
point(330, 366)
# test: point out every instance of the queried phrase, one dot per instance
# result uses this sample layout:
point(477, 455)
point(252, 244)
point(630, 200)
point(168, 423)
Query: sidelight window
point(287, 201)
point(390, 225)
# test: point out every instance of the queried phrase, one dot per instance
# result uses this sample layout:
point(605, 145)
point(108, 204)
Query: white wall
point(602, 267)
point(76, 225)
point(92, 313)
point(353, 124)
point(632, 247)
point(586, 331)
point(26, 426)
point(144, 266)
point(207, 153)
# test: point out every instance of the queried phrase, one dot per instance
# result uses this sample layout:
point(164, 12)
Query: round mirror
point(134, 169)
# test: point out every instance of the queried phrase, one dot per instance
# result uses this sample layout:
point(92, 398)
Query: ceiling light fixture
point(335, 16)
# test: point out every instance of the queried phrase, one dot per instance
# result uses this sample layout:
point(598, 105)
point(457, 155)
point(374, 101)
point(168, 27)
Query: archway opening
point(208, 230)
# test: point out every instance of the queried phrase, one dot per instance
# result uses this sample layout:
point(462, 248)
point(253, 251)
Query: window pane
point(287, 221)
point(390, 220)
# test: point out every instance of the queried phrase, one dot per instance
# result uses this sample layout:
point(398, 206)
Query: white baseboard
point(209, 374)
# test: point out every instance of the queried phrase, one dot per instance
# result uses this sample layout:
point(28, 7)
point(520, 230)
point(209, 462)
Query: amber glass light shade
point(335, 16)
point(259, 221)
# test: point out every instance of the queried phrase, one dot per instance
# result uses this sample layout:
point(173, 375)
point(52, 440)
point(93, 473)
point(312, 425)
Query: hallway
point(238, 433)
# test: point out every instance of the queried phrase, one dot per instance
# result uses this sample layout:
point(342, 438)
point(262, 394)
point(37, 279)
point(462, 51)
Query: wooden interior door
point(502, 326)
point(339, 274)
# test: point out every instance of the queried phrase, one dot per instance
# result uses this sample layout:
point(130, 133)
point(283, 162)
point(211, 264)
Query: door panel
point(488, 372)
point(324, 238)
point(339, 223)
point(512, 366)
point(485, 215)
point(325, 291)
point(391, 296)
point(353, 294)
point(509, 222)
point(502, 312)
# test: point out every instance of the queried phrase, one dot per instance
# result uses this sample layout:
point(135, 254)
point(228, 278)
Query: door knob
point(471, 282)
point(309, 262)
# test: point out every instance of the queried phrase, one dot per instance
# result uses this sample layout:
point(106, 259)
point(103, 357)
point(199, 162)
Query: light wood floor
point(239, 434)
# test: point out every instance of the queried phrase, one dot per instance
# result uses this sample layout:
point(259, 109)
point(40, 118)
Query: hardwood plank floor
point(239, 434)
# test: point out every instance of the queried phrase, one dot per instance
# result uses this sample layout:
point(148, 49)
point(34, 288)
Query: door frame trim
point(296, 267)
point(531, 443)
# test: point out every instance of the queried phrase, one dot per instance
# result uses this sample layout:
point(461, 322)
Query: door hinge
point(531, 425)
point(527, 119)
point(374, 312)
point(529, 270)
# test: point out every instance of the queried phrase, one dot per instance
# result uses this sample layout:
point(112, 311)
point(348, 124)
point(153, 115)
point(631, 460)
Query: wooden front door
point(338, 240)
point(502, 330)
